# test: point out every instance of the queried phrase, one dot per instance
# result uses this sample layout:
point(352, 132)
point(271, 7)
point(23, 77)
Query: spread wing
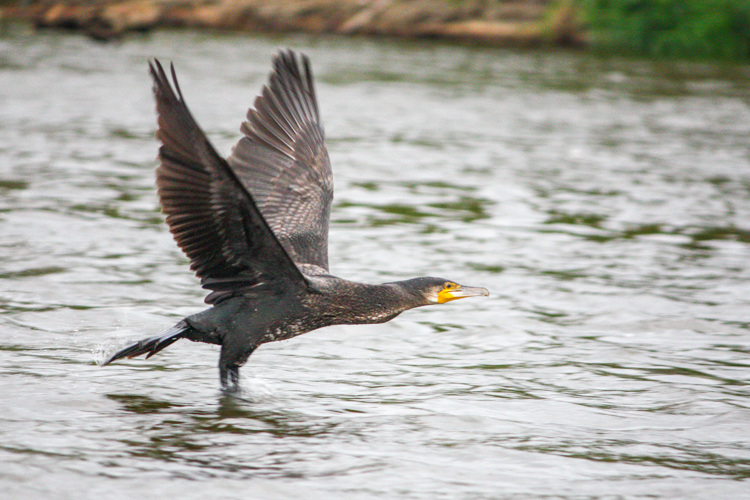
point(210, 213)
point(283, 162)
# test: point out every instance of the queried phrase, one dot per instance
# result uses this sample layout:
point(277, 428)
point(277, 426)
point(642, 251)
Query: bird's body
point(255, 319)
point(255, 226)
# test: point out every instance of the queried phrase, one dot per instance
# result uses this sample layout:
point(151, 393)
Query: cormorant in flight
point(255, 226)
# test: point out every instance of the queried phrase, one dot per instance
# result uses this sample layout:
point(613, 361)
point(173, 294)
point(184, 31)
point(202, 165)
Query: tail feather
point(151, 345)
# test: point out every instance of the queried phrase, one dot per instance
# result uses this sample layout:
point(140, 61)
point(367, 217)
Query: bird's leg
point(230, 362)
point(230, 378)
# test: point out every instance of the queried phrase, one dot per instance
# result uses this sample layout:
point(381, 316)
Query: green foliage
point(671, 28)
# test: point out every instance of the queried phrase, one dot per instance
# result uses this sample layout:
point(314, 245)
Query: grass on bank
point(707, 29)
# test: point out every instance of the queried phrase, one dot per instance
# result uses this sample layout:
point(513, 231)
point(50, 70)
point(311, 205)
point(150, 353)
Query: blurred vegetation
point(717, 29)
point(708, 29)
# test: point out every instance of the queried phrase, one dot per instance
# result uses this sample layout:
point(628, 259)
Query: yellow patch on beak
point(446, 295)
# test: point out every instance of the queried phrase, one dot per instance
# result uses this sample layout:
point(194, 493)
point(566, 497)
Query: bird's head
point(440, 291)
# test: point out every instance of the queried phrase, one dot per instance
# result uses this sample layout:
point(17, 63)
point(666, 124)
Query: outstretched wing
point(211, 215)
point(283, 162)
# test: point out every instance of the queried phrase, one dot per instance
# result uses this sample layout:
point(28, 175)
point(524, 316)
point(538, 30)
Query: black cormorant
point(255, 226)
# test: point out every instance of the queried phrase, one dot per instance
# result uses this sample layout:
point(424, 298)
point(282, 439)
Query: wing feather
point(210, 213)
point(283, 161)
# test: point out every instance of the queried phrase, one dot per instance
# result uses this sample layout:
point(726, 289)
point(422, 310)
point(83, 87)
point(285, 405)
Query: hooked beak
point(460, 292)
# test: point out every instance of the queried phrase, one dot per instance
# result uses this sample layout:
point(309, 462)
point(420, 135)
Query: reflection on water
point(604, 202)
point(465, 209)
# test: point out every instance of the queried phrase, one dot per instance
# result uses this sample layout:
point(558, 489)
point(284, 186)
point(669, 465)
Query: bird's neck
point(363, 303)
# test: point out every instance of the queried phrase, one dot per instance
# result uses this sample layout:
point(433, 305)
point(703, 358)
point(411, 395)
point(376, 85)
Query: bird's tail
point(151, 345)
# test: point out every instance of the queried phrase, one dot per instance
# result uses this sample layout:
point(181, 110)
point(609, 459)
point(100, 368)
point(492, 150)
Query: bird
point(255, 226)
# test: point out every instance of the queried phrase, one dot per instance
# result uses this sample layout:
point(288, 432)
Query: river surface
point(605, 203)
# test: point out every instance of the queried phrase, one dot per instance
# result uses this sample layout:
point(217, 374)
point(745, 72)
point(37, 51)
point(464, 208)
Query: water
point(605, 204)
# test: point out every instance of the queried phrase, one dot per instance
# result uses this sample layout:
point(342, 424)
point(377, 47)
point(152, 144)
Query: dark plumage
point(255, 226)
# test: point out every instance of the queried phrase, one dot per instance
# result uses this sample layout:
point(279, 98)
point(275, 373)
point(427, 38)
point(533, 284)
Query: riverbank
point(517, 23)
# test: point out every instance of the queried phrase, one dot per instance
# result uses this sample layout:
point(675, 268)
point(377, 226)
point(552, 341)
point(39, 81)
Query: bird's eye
point(449, 286)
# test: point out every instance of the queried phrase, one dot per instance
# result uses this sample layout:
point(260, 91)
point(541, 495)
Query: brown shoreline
point(516, 23)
